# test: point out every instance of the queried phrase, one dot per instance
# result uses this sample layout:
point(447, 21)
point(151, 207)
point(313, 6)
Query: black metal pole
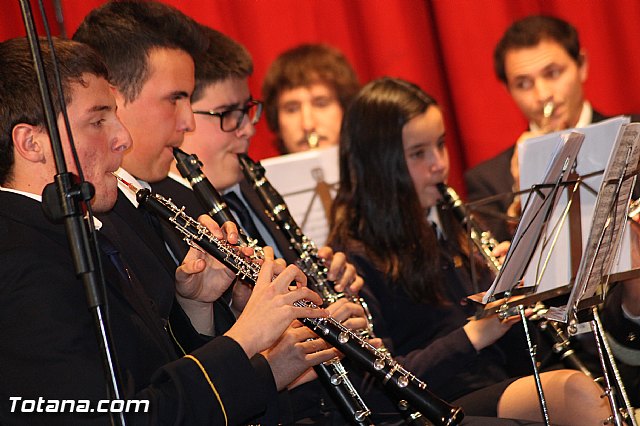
point(69, 198)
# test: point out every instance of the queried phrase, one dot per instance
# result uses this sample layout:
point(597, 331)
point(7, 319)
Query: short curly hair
point(302, 66)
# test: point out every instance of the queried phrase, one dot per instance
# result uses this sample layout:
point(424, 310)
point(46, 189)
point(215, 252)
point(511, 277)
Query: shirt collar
point(179, 179)
point(125, 175)
point(96, 222)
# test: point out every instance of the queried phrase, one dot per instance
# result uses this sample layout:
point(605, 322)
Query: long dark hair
point(377, 211)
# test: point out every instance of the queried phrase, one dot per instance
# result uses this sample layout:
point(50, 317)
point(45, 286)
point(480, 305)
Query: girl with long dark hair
point(386, 218)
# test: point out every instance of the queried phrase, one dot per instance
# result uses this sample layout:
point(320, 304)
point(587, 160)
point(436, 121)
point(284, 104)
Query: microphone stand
point(63, 199)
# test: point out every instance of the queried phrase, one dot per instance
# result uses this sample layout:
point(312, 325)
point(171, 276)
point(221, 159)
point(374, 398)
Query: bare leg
point(572, 399)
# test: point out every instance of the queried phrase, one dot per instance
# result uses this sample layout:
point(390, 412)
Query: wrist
point(245, 340)
point(200, 314)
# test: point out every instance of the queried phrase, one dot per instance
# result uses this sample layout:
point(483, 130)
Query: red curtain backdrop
point(443, 45)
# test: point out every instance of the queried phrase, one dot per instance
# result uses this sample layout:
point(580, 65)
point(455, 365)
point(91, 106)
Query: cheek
point(289, 124)
point(525, 101)
point(416, 175)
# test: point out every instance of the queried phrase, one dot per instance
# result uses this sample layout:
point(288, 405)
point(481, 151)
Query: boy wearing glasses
point(225, 115)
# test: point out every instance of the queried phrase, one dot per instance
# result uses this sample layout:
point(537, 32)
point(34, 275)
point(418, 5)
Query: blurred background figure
point(541, 64)
point(306, 92)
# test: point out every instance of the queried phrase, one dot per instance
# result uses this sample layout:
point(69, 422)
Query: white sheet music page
point(296, 177)
point(527, 238)
point(608, 222)
point(593, 156)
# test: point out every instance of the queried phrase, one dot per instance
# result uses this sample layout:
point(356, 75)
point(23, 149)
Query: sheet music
point(609, 220)
point(296, 177)
point(534, 216)
point(593, 156)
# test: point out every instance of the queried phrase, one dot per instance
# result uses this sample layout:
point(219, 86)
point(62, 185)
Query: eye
point(322, 102)
point(441, 144)
point(174, 98)
point(290, 108)
point(98, 123)
point(553, 73)
point(523, 84)
point(417, 155)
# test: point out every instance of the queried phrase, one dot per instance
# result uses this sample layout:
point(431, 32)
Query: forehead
point(232, 91)
point(424, 129)
point(89, 95)
point(170, 69)
point(529, 60)
point(302, 93)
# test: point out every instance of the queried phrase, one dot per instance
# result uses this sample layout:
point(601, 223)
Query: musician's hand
point(305, 377)
point(340, 271)
point(294, 353)
point(270, 309)
point(500, 251)
point(350, 314)
point(486, 331)
point(200, 277)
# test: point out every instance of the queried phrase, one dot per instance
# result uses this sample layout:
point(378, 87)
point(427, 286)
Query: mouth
point(312, 140)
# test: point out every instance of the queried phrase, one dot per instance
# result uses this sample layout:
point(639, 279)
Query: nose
point(186, 121)
point(122, 138)
point(544, 91)
point(308, 121)
point(247, 129)
point(439, 161)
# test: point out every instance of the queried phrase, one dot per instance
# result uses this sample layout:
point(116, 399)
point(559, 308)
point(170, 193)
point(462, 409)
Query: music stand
point(613, 203)
point(608, 224)
point(592, 160)
point(536, 213)
point(310, 193)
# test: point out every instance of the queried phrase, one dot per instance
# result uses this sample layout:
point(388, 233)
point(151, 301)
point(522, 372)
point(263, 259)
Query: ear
point(583, 65)
point(29, 142)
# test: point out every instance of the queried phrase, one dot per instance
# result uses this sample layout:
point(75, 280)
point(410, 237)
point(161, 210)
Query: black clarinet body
point(331, 374)
point(190, 168)
point(306, 250)
point(309, 261)
point(391, 374)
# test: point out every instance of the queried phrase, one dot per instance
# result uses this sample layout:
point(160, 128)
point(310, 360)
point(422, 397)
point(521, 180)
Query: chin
point(104, 201)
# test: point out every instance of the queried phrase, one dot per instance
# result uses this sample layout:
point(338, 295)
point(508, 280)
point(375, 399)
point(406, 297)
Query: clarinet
point(379, 363)
point(190, 168)
point(485, 244)
point(331, 374)
point(309, 261)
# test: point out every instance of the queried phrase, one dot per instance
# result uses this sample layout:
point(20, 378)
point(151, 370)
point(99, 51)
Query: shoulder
point(490, 177)
point(490, 166)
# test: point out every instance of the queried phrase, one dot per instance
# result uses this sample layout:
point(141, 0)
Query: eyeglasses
point(232, 119)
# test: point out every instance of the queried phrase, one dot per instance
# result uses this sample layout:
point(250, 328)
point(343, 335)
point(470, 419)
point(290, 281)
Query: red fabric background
point(443, 45)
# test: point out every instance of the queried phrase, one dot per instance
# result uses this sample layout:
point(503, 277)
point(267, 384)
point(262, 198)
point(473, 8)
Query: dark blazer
point(493, 177)
point(427, 339)
point(48, 347)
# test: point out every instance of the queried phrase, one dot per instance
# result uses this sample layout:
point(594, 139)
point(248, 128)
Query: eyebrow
point(234, 105)
point(99, 108)
point(179, 94)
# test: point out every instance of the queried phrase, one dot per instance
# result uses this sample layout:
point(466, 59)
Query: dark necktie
point(152, 220)
point(113, 254)
point(238, 207)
